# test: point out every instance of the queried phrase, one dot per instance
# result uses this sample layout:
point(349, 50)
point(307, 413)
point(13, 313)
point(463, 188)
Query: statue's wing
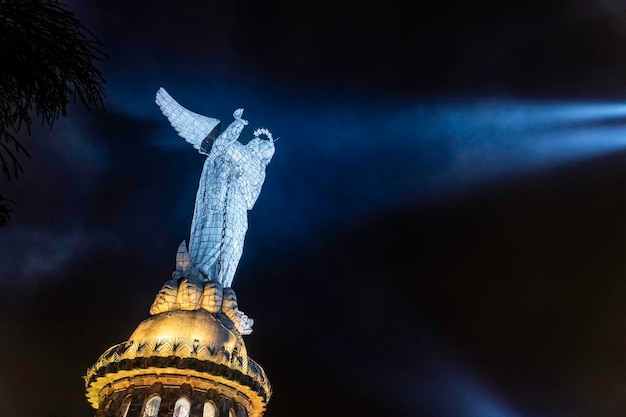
point(196, 129)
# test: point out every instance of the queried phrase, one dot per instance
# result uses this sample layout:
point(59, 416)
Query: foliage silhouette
point(47, 60)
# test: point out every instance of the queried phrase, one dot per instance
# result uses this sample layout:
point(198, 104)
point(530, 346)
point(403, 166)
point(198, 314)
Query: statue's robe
point(230, 184)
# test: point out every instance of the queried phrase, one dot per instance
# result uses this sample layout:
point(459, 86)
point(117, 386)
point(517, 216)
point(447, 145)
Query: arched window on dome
point(107, 407)
point(182, 407)
point(151, 407)
point(231, 413)
point(125, 406)
point(209, 410)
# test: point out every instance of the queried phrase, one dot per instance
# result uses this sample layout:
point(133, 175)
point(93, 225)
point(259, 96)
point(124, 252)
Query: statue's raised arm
point(232, 132)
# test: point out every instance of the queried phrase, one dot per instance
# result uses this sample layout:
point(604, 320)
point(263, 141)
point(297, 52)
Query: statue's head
point(264, 148)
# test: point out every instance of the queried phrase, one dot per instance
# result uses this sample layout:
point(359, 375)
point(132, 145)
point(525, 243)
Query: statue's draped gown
point(230, 184)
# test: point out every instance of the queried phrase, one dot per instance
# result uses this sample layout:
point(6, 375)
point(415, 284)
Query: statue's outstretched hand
point(237, 115)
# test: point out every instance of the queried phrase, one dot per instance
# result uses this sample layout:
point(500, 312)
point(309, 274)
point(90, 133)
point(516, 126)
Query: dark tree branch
point(47, 61)
point(6, 209)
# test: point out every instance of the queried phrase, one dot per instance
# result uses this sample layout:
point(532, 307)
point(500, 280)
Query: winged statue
point(230, 184)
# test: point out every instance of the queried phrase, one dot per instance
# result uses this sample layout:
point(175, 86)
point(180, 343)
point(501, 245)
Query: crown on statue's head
point(263, 131)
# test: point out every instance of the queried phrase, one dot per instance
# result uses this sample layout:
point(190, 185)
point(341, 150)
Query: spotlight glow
point(382, 156)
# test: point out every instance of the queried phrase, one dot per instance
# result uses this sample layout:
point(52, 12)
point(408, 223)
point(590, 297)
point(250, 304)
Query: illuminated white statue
point(230, 184)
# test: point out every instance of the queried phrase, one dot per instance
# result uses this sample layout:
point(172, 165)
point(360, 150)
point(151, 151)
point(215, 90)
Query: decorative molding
point(195, 356)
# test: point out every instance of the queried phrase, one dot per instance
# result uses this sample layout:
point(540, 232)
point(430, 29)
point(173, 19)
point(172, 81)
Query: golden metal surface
point(193, 334)
point(192, 325)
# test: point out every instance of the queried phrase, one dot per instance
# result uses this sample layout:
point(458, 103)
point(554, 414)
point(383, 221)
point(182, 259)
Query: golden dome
point(193, 344)
point(191, 325)
point(193, 337)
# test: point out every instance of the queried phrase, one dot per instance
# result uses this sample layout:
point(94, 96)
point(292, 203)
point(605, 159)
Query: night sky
point(442, 230)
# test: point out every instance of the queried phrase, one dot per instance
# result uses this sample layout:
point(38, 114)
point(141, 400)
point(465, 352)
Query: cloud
point(59, 177)
point(33, 253)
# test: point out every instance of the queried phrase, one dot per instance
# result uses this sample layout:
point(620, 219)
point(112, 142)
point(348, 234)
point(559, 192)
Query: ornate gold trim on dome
point(122, 380)
point(177, 350)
